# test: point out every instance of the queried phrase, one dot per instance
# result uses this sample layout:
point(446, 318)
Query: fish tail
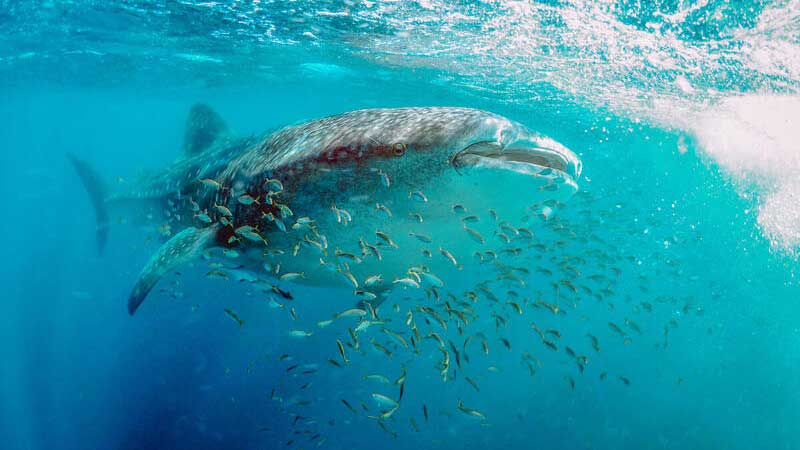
point(97, 194)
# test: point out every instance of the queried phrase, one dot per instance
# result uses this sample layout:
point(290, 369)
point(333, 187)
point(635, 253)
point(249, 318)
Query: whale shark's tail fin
point(180, 249)
point(97, 194)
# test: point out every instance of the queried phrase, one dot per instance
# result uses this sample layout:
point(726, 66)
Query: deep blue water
point(693, 224)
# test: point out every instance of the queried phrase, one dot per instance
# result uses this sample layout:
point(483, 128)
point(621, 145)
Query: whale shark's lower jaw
point(541, 157)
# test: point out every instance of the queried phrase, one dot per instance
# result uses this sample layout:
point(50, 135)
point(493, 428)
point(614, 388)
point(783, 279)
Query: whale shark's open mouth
point(540, 156)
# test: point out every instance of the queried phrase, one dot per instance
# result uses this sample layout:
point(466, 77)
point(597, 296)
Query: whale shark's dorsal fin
point(180, 249)
point(204, 127)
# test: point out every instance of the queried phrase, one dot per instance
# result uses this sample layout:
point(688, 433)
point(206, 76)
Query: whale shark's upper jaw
point(532, 154)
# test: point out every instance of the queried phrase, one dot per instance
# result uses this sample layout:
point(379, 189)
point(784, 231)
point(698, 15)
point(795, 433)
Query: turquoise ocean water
point(678, 254)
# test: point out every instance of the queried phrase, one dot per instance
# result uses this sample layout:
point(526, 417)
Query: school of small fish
point(537, 276)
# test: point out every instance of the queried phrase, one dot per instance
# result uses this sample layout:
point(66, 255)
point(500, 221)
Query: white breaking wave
point(756, 138)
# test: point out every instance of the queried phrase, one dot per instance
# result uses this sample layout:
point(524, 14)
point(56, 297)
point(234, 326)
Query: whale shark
point(370, 200)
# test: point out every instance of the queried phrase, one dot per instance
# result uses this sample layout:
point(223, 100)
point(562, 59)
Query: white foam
point(756, 138)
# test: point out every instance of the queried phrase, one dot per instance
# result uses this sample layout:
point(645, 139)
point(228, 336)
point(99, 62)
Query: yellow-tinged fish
point(342, 352)
point(474, 234)
point(291, 276)
point(431, 279)
point(434, 335)
point(203, 217)
point(365, 295)
point(400, 339)
point(342, 215)
point(235, 318)
point(376, 377)
point(252, 236)
point(223, 210)
point(555, 333)
point(284, 210)
point(382, 208)
point(473, 383)
point(470, 411)
point(349, 277)
point(449, 256)
point(341, 254)
point(384, 400)
point(416, 216)
point(352, 312)
point(300, 333)
point(421, 237)
point(372, 280)
point(385, 415)
point(218, 274)
point(595, 342)
point(273, 185)
point(406, 282)
point(505, 226)
point(402, 378)
point(372, 312)
point(418, 196)
point(633, 326)
point(375, 251)
point(380, 347)
point(385, 238)
point(616, 329)
point(247, 200)
point(516, 307)
point(445, 363)
point(213, 184)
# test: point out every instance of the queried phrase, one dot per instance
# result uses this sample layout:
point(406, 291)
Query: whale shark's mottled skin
point(358, 178)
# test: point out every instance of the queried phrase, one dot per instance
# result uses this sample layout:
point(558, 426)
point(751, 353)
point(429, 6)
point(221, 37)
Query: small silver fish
point(418, 196)
point(213, 184)
point(247, 200)
point(383, 209)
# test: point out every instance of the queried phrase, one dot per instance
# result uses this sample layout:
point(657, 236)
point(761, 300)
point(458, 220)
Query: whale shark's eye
point(398, 149)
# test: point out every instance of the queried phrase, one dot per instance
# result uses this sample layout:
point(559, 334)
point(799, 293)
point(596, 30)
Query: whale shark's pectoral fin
point(180, 249)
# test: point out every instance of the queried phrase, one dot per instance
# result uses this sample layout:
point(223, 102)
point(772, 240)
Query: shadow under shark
point(372, 199)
